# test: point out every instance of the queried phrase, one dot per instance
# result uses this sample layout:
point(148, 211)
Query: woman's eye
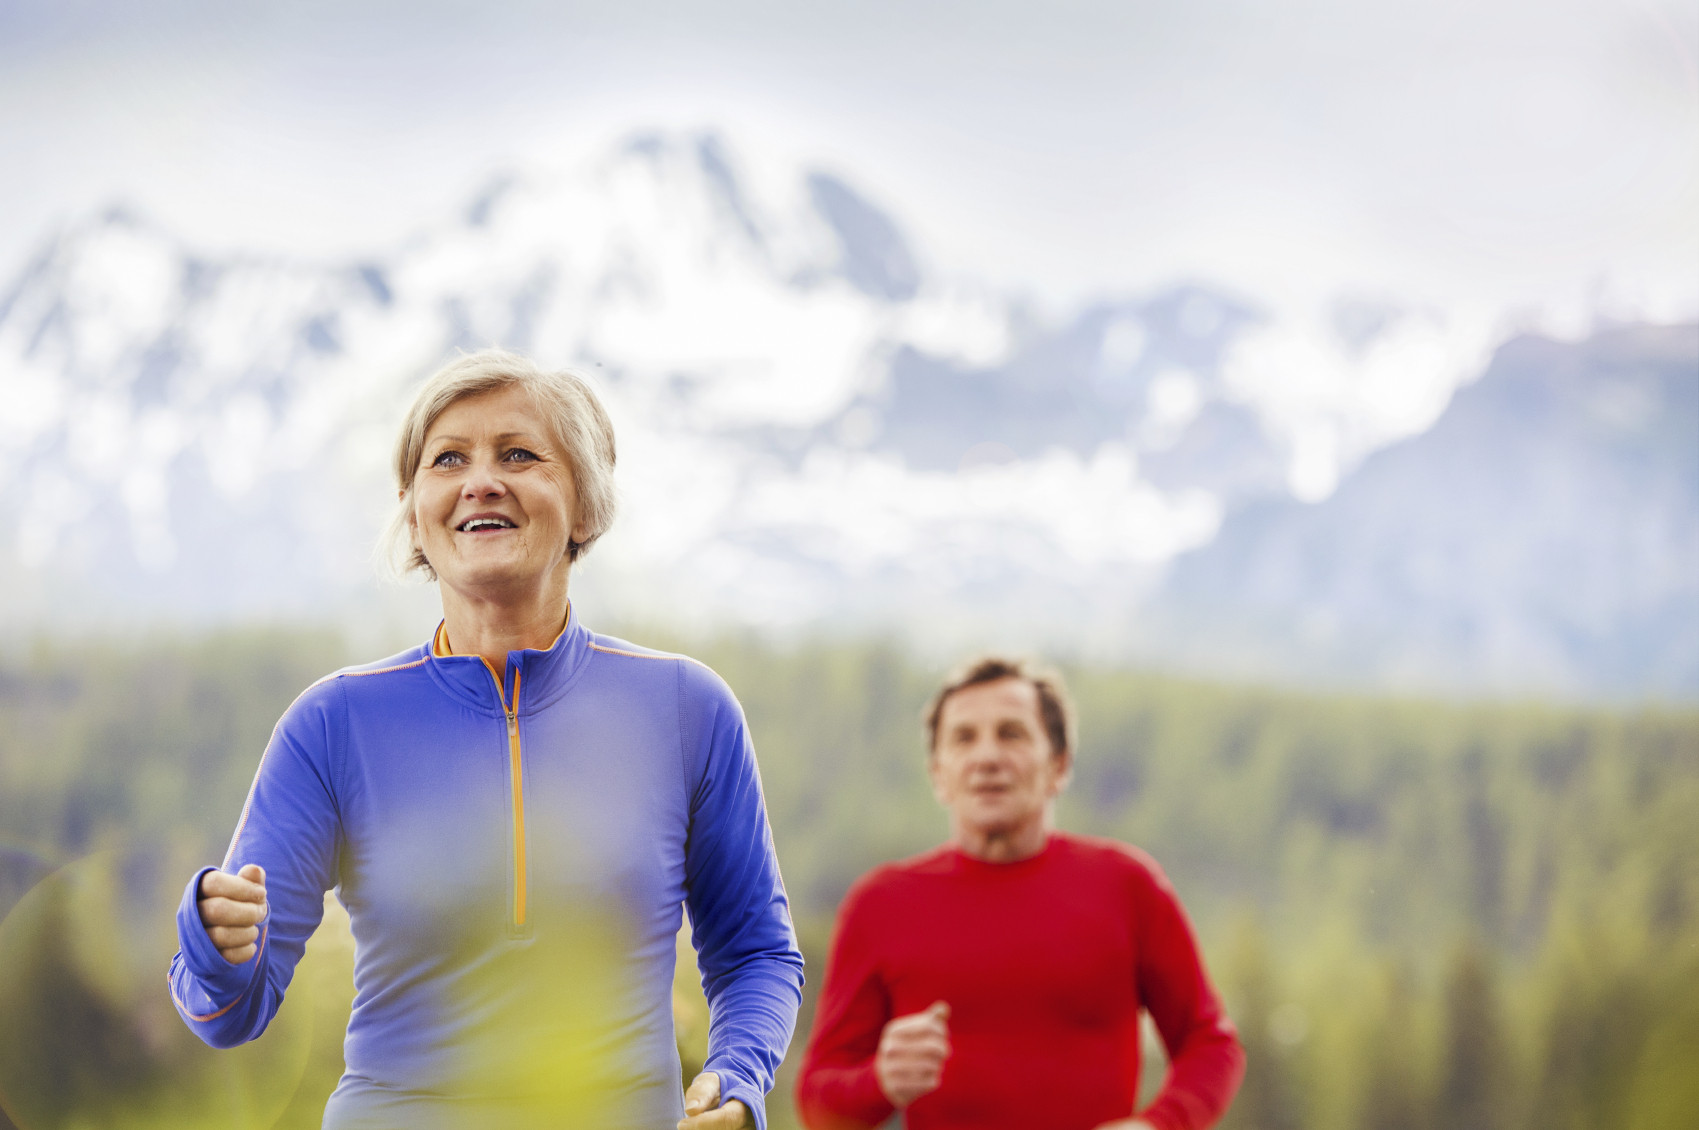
point(448, 459)
point(519, 455)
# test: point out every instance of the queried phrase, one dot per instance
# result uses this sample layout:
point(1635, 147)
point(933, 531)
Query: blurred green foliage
point(89, 1038)
point(1423, 914)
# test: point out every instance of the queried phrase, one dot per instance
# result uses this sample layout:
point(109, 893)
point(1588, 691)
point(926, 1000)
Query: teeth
point(486, 524)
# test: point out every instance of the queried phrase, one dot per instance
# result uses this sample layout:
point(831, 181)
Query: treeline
point(1423, 914)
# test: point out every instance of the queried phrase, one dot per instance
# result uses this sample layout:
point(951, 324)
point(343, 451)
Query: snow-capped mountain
point(817, 426)
point(1545, 532)
point(210, 437)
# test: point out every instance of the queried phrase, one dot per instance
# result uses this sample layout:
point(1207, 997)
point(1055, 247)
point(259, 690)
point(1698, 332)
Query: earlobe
point(1064, 775)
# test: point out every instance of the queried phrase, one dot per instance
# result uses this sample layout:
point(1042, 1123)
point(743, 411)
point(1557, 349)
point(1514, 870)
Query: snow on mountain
point(817, 425)
point(208, 438)
point(1543, 534)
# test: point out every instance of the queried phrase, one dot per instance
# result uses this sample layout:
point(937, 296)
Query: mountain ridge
point(1547, 525)
point(819, 430)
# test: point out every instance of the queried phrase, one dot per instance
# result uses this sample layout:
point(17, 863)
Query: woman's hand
point(702, 1109)
point(232, 908)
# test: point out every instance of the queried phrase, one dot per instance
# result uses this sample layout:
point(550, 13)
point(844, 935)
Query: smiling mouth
point(477, 525)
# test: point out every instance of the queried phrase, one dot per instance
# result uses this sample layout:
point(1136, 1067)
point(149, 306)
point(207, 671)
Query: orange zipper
point(516, 786)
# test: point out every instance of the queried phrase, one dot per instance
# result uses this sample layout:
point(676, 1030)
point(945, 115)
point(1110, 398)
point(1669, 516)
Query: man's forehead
point(998, 698)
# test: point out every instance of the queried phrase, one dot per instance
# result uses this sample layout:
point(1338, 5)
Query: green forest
point(1459, 915)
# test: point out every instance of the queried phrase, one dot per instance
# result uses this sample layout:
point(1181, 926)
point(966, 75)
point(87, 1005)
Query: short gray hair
point(570, 410)
point(1055, 707)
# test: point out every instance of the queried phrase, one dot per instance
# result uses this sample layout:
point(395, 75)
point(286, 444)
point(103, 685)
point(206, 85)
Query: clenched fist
point(232, 908)
point(912, 1051)
point(702, 1109)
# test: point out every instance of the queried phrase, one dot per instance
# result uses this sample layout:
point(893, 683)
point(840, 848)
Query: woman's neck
point(490, 626)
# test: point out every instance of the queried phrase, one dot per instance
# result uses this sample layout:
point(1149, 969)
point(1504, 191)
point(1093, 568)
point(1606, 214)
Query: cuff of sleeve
point(1165, 1115)
point(871, 1099)
point(851, 1097)
point(1157, 1120)
point(735, 1087)
point(217, 978)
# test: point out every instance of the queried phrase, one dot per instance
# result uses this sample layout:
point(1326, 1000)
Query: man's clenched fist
point(912, 1051)
point(232, 908)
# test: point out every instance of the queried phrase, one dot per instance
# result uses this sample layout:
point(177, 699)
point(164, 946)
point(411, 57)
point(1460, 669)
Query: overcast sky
point(1519, 155)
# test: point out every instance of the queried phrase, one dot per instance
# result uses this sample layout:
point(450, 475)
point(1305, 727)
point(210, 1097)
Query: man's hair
point(568, 408)
point(1054, 705)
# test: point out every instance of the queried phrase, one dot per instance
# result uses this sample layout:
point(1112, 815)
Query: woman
point(512, 813)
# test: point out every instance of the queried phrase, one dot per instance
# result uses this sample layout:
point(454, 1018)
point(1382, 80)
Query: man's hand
point(232, 908)
point(912, 1051)
point(702, 1109)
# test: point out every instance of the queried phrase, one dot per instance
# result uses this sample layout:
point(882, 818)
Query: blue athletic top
point(513, 849)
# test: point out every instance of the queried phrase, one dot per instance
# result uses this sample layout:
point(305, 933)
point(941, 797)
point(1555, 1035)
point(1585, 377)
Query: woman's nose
point(483, 481)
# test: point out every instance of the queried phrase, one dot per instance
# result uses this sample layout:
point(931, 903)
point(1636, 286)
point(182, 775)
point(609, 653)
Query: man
point(997, 981)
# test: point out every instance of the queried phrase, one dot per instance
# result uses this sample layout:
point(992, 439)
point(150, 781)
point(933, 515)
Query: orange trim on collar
point(439, 639)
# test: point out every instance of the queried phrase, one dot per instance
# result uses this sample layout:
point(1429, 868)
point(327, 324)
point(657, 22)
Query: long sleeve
point(289, 827)
point(740, 917)
point(1205, 1061)
point(836, 1088)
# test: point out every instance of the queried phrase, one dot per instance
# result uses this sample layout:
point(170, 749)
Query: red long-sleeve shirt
point(1045, 963)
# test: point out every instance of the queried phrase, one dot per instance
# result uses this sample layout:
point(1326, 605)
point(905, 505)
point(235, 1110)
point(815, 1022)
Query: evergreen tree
point(1267, 1099)
point(1393, 1095)
point(1476, 1083)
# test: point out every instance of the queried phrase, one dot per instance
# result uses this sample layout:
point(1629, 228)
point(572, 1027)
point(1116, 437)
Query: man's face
point(993, 767)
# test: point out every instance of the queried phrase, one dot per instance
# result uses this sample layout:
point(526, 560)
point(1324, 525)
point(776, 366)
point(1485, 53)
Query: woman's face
point(494, 503)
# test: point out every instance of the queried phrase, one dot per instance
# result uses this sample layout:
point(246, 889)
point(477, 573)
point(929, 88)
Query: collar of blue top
point(538, 675)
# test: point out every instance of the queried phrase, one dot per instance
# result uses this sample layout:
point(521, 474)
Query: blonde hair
point(570, 410)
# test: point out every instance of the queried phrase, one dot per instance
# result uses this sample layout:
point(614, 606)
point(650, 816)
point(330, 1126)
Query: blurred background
point(1318, 383)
